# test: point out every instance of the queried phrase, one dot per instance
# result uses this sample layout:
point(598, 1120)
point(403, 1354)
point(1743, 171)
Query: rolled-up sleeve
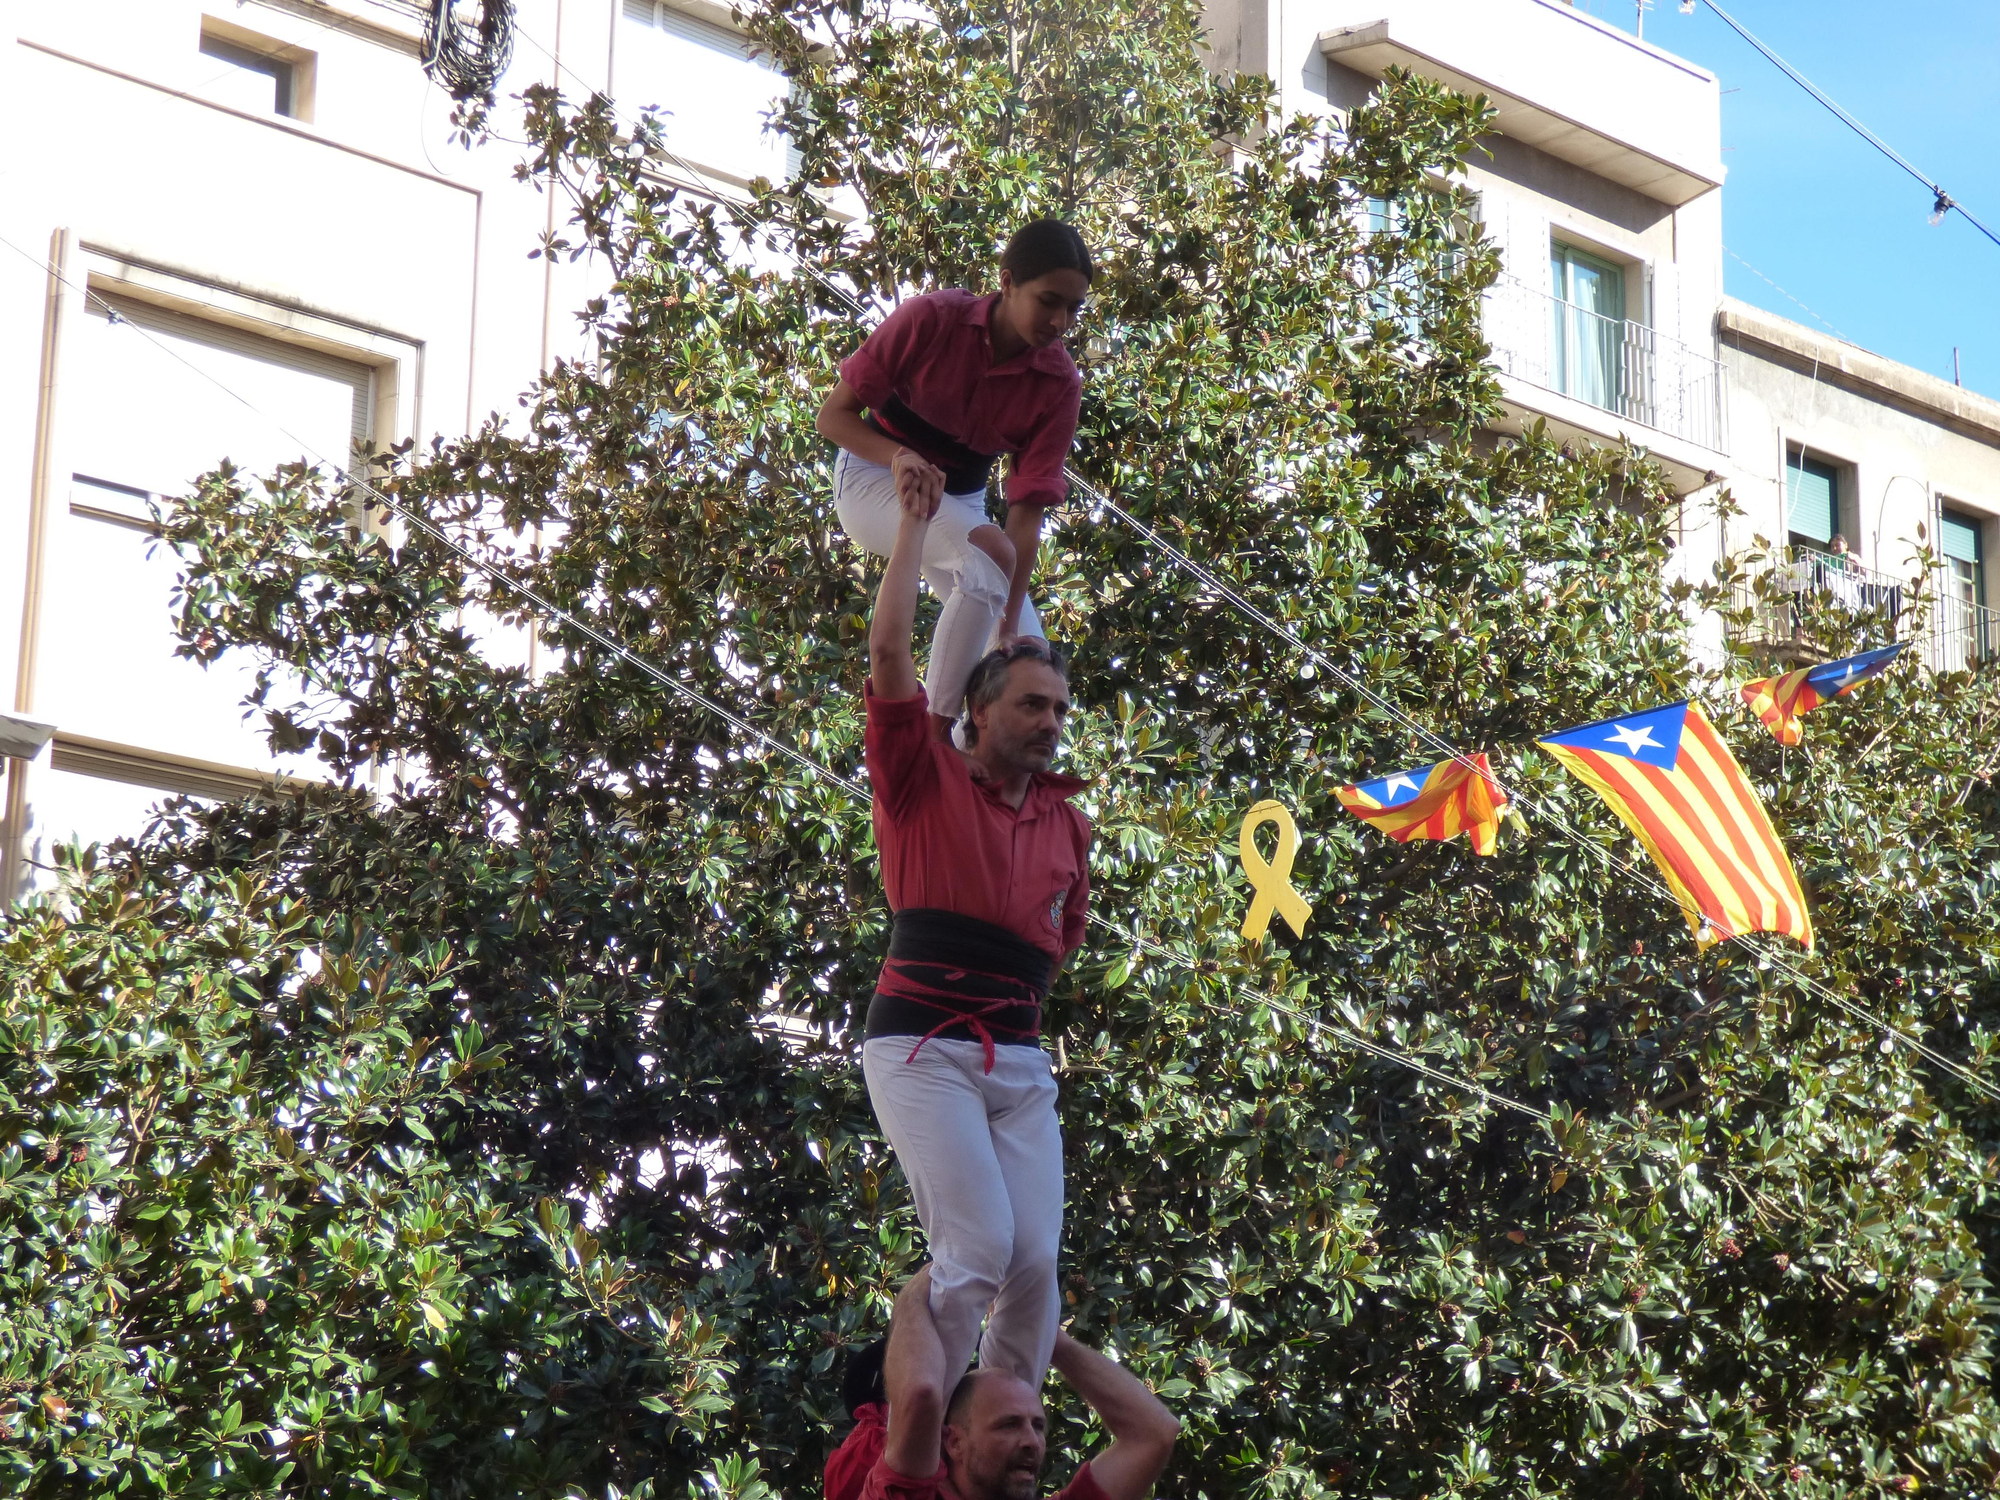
point(874, 370)
point(886, 1483)
point(1038, 478)
point(897, 748)
point(1077, 907)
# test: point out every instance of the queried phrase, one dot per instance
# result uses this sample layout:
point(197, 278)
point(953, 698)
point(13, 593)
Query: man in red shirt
point(989, 1441)
point(986, 868)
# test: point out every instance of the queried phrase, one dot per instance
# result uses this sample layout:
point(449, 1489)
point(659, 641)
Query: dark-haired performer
point(988, 1440)
point(985, 865)
point(950, 381)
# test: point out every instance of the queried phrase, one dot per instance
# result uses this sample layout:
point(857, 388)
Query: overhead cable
point(1311, 1024)
point(1942, 202)
point(1644, 879)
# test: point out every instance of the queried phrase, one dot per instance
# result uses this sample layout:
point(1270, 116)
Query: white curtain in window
point(1589, 327)
point(716, 98)
point(140, 417)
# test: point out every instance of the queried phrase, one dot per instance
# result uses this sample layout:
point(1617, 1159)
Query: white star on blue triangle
point(1831, 679)
point(1652, 738)
point(1394, 791)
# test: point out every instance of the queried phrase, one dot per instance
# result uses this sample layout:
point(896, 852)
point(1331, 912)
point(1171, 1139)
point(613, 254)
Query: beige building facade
point(1604, 192)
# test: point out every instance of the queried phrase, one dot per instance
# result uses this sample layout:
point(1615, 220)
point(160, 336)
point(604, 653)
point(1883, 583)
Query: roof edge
point(1904, 383)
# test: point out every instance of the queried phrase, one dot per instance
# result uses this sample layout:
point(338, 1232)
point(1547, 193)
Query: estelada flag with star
point(1432, 802)
point(1779, 701)
point(1672, 781)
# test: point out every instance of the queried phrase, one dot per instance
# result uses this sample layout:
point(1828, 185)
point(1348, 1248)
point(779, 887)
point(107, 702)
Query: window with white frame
point(149, 403)
point(1588, 336)
point(717, 95)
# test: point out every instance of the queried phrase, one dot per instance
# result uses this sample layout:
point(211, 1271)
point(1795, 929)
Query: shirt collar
point(1050, 359)
point(1060, 785)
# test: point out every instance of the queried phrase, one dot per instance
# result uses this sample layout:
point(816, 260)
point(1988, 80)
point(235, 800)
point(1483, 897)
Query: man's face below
point(996, 1453)
point(1020, 732)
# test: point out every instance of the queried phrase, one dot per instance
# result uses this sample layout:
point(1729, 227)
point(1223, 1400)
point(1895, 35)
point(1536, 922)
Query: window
point(1966, 631)
point(1386, 216)
point(1959, 538)
point(716, 98)
point(1589, 333)
point(254, 73)
point(1812, 501)
point(143, 415)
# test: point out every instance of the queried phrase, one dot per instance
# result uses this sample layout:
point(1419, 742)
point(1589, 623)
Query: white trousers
point(970, 583)
point(983, 1156)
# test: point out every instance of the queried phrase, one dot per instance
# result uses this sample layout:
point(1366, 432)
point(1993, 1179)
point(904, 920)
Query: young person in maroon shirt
point(949, 382)
point(986, 869)
point(988, 1441)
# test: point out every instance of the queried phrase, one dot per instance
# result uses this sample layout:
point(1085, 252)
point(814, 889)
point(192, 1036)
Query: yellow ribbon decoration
point(1272, 882)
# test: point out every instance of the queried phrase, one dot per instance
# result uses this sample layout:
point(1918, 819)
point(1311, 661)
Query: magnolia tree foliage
point(503, 1133)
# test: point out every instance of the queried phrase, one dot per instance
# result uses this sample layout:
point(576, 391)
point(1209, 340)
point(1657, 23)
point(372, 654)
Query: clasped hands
point(919, 484)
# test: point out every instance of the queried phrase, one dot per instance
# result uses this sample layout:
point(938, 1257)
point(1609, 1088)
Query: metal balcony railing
point(1823, 604)
point(1612, 363)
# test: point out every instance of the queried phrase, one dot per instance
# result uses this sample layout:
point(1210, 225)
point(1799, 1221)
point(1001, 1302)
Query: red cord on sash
point(972, 1011)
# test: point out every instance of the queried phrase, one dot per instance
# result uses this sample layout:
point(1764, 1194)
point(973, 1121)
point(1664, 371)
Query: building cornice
point(1848, 365)
point(1650, 162)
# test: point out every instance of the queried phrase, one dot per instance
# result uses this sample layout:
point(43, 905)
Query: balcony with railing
point(1614, 364)
point(1801, 604)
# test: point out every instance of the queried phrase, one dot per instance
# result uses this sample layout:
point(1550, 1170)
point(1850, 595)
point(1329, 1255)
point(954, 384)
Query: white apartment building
point(259, 199)
point(244, 233)
point(1604, 192)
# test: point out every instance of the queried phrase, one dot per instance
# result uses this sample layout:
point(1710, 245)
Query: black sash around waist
point(957, 977)
point(965, 471)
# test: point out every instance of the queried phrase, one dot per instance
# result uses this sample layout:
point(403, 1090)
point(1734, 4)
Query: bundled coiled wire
point(464, 56)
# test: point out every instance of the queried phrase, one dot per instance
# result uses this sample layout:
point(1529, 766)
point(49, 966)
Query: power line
point(1942, 202)
point(1314, 1025)
point(1223, 590)
point(1645, 879)
point(1787, 296)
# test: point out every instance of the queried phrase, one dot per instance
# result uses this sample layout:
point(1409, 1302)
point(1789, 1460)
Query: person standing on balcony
point(948, 383)
point(1844, 588)
point(986, 867)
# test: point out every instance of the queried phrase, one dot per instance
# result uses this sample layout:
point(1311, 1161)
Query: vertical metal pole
point(42, 489)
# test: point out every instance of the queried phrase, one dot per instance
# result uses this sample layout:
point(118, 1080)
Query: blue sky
point(1817, 209)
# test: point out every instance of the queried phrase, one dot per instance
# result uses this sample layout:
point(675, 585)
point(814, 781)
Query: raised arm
point(892, 670)
point(913, 1376)
point(1142, 1429)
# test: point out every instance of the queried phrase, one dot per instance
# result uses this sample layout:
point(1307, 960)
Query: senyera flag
point(1432, 802)
point(1672, 781)
point(1779, 701)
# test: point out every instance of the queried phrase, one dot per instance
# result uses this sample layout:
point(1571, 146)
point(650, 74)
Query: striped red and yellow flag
point(1672, 781)
point(1432, 802)
point(1779, 701)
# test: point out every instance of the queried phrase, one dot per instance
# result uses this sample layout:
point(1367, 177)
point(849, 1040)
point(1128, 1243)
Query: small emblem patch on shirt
point(1056, 908)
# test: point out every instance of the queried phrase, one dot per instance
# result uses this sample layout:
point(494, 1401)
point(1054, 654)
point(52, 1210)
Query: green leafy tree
point(575, 1190)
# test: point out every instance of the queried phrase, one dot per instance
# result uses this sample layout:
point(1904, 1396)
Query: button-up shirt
point(950, 842)
point(887, 1483)
point(935, 354)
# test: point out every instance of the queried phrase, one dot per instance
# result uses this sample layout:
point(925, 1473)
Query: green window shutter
point(1958, 536)
point(1812, 507)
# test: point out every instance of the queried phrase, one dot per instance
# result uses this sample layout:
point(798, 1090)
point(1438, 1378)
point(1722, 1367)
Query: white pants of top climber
point(970, 583)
